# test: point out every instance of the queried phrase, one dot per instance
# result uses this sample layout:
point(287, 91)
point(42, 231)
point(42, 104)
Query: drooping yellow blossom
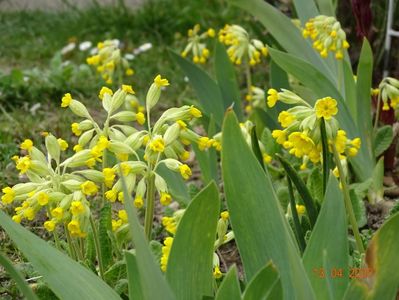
point(49, 225)
point(195, 112)
point(272, 97)
point(89, 188)
point(196, 44)
point(185, 171)
point(170, 224)
point(138, 202)
point(122, 214)
point(42, 198)
point(63, 144)
point(116, 224)
point(105, 90)
point(111, 195)
point(225, 215)
point(300, 209)
point(165, 252)
point(66, 100)
point(157, 145)
point(326, 108)
point(57, 213)
point(75, 129)
point(165, 198)
point(8, 195)
point(129, 72)
point(128, 89)
point(74, 228)
point(109, 176)
point(23, 164)
point(17, 218)
point(26, 145)
point(267, 158)
point(160, 82)
point(217, 273)
point(77, 208)
point(286, 119)
point(140, 118)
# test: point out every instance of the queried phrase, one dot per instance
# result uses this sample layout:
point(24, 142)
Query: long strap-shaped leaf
point(229, 289)
point(256, 216)
point(66, 278)
point(189, 270)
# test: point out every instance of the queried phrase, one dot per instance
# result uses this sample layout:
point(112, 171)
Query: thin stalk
point(297, 224)
point(71, 249)
point(377, 112)
point(149, 210)
point(324, 143)
point(248, 78)
point(348, 203)
point(103, 187)
point(97, 246)
point(56, 240)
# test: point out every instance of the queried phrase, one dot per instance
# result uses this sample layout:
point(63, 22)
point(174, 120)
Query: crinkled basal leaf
point(383, 139)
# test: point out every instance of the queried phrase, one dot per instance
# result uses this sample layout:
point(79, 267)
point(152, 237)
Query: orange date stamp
point(352, 273)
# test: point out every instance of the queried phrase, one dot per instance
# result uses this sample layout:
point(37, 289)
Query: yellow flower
point(140, 118)
point(116, 224)
point(102, 143)
point(157, 145)
point(89, 188)
point(78, 148)
point(129, 72)
point(204, 143)
point(138, 202)
point(75, 129)
point(280, 136)
point(326, 108)
point(225, 215)
point(165, 198)
point(26, 145)
point(9, 195)
point(74, 227)
point(23, 164)
point(185, 155)
point(272, 97)
point(57, 213)
point(159, 82)
point(185, 171)
point(356, 143)
point(217, 273)
point(66, 100)
point(285, 118)
point(91, 162)
point(93, 60)
point(300, 209)
point(17, 218)
point(211, 32)
point(340, 141)
point(109, 176)
point(77, 208)
point(29, 213)
point(63, 144)
point(126, 168)
point(127, 88)
point(105, 90)
point(42, 198)
point(121, 197)
point(301, 144)
point(49, 225)
point(195, 112)
point(169, 224)
point(111, 195)
point(165, 252)
point(122, 214)
point(267, 158)
point(122, 156)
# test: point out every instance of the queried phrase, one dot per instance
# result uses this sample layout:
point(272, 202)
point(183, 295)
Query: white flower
point(68, 48)
point(86, 45)
point(143, 48)
point(129, 56)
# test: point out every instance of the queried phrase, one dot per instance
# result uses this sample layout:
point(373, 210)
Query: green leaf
point(358, 208)
point(206, 89)
point(297, 225)
point(302, 190)
point(383, 139)
point(176, 185)
point(381, 257)
point(315, 185)
point(255, 147)
point(356, 290)
point(229, 289)
point(63, 275)
point(104, 227)
point(349, 85)
point(284, 31)
point(262, 284)
point(227, 80)
point(363, 87)
point(133, 277)
point(149, 272)
point(326, 7)
point(306, 9)
point(17, 277)
point(189, 270)
point(256, 216)
point(329, 241)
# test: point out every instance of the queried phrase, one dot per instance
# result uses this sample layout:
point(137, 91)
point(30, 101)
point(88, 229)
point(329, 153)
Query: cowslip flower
point(196, 44)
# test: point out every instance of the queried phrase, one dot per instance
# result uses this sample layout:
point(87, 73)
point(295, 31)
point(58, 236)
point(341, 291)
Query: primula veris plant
point(196, 44)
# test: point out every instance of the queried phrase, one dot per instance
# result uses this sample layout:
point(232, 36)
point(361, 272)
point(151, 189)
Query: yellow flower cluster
point(388, 90)
point(108, 60)
point(301, 127)
point(241, 46)
point(327, 35)
point(196, 44)
point(165, 252)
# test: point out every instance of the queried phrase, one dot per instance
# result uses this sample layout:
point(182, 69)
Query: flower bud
point(171, 164)
point(160, 183)
point(79, 109)
point(72, 184)
point(85, 138)
point(153, 95)
point(92, 175)
point(53, 148)
point(171, 134)
point(119, 147)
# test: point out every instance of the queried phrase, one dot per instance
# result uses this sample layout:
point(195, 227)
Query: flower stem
point(71, 248)
point(97, 246)
point(149, 211)
point(248, 78)
point(377, 112)
point(324, 143)
point(348, 203)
